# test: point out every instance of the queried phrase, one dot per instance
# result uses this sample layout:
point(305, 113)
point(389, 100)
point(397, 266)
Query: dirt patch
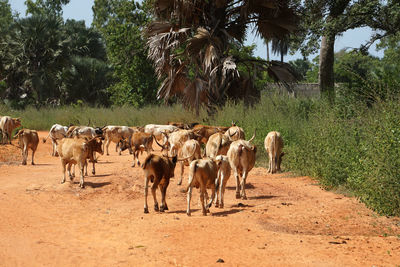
point(286, 220)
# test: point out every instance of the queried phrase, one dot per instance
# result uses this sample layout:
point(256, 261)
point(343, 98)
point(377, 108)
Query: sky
point(82, 10)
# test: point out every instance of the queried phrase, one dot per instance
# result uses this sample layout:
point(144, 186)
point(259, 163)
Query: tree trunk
point(325, 75)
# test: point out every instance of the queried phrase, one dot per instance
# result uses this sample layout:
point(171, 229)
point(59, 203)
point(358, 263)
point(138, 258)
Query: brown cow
point(7, 125)
point(75, 151)
point(27, 139)
point(273, 144)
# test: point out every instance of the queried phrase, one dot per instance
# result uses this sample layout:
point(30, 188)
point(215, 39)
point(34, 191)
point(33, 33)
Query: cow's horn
point(254, 135)
point(158, 143)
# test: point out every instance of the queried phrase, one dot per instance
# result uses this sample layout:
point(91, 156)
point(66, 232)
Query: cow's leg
point(153, 192)
point(163, 190)
point(243, 184)
point(82, 181)
point(69, 172)
point(63, 163)
point(222, 190)
point(211, 199)
point(202, 193)
point(134, 157)
point(182, 169)
point(235, 173)
point(137, 156)
point(146, 189)
point(24, 155)
point(93, 169)
point(189, 196)
point(33, 154)
point(107, 144)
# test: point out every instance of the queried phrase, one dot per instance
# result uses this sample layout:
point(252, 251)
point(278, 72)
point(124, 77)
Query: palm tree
point(191, 43)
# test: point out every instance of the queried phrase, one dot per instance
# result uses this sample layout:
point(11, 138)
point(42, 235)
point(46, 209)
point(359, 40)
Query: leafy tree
point(189, 43)
point(45, 7)
point(120, 22)
point(324, 20)
point(33, 52)
point(301, 66)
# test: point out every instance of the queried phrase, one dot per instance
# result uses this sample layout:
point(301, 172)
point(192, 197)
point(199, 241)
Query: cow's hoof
point(146, 210)
point(93, 172)
point(244, 197)
point(162, 209)
point(23, 163)
point(237, 195)
point(62, 182)
point(204, 213)
point(221, 206)
point(188, 214)
point(33, 163)
point(165, 207)
point(156, 207)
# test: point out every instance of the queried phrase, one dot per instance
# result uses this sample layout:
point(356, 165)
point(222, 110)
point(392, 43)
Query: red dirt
point(286, 220)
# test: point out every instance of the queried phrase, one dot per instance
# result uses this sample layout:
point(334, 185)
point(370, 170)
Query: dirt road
point(286, 221)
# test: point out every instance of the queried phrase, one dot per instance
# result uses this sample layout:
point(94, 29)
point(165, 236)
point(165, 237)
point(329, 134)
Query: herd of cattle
point(225, 150)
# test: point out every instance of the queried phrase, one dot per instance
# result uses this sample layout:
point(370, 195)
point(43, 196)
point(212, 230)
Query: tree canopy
point(191, 42)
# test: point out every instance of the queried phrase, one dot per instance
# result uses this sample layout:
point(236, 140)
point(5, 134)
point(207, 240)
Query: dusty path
point(287, 221)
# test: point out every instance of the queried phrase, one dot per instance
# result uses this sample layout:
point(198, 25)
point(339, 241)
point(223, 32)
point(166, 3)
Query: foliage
point(45, 7)
point(46, 61)
point(120, 23)
point(189, 43)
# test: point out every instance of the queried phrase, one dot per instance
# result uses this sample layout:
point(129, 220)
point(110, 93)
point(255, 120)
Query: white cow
point(56, 132)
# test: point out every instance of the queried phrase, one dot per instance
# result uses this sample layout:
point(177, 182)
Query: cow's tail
point(192, 172)
point(147, 161)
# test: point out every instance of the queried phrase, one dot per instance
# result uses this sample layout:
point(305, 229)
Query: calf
point(242, 157)
point(139, 142)
point(224, 172)
point(7, 125)
point(190, 147)
point(56, 132)
point(159, 170)
point(273, 144)
point(203, 174)
point(27, 139)
point(75, 151)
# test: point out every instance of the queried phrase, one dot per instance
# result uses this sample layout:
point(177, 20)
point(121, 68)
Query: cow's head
point(96, 145)
point(123, 144)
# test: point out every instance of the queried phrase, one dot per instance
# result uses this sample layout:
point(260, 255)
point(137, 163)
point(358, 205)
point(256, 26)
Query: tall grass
point(343, 145)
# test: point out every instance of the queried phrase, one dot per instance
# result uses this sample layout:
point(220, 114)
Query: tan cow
point(203, 175)
point(139, 142)
point(7, 125)
point(242, 157)
point(235, 133)
point(75, 151)
point(273, 144)
point(218, 144)
point(190, 147)
point(224, 172)
point(27, 139)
